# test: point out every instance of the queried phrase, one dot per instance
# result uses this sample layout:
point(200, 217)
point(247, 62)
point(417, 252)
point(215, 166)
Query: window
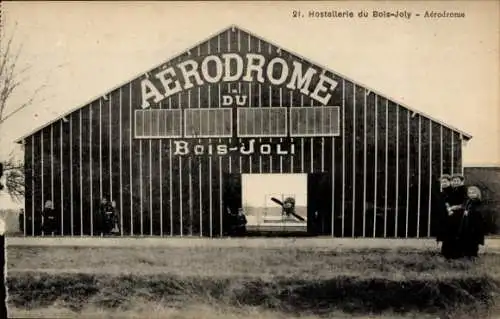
point(208, 122)
point(158, 123)
point(314, 121)
point(262, 121)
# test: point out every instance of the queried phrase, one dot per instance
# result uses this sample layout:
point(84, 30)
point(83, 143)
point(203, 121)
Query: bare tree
point(14, 177)
point(12, 75)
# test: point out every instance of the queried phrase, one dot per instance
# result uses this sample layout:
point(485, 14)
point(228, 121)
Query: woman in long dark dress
point(443, 233)
point(458, 195)
point(449, 223)
point(473, 229)
point(453, 247)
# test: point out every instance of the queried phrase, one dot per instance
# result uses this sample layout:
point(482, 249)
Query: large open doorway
point(281, 204)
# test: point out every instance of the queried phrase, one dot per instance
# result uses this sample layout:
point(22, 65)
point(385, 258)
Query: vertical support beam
point(397, 174)
point(200, 192)
point(220, 194)
point(150, 190)
point(333, 179)
point(289, 130)
point(71, 173)
point(333, 184)
point(311, 140)
point(375, 178)
point(170, 188)
point(270, 90)
point(239, 156)
point(302, 140)
point(322, 154)
point(261, 123)
point(110, 174)
point(386, 163)
point(3, 274)
point(121, 161)
point(441, 149)
point(199, 140)
point(160, 152)
point(419, 173)
point(90, 172)
point(311, 143)
point(52, 163)
point(364, 164)
point(131, 186)
point(354, 160)
point(33, 185)
point(62, 175)
point(80, 170)
point(100, 148)
point(407, 171)
point(25, 232)
point(343, 157)
point(190, 200)
point(250, 159)
point(452, 152)
point(462, 170)
point(210, 193)
point(141, 200)
point(180, 198)
point(42, 176)
point(430, 180)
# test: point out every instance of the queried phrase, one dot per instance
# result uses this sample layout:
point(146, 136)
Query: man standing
point(50, 220)
point(106, 217)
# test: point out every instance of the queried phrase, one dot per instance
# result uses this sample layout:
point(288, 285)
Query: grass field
point(247, 278)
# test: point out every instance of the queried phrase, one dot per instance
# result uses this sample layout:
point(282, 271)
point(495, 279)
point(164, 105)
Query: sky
point(447, 68)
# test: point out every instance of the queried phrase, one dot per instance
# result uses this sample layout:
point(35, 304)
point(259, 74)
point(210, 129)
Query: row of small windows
point(251, 122)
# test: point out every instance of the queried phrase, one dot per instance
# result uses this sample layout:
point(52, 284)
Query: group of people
point(461, 226)
point(107, 219)
point(49, 221)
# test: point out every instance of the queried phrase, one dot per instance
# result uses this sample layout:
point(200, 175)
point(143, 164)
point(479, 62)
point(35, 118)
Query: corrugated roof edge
point(467, 136)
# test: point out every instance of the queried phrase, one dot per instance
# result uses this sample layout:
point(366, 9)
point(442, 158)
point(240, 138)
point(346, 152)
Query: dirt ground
point(492, 244)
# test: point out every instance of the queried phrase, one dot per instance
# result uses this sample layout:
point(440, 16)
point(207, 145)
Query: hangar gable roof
point(465, 135)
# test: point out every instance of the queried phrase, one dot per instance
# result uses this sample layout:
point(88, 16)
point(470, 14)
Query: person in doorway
point(49, 219)
point(473, 230)
point(240, 223)
point(228, 221)
point(317, 223)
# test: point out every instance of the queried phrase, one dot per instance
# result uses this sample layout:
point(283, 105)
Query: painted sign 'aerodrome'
point(231, 67)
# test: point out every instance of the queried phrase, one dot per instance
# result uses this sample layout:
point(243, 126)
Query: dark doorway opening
point(261, 203)
point(319, 204)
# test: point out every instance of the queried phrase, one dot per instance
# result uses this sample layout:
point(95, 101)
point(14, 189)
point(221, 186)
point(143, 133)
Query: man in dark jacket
point(106, 217)
point(50, 219)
